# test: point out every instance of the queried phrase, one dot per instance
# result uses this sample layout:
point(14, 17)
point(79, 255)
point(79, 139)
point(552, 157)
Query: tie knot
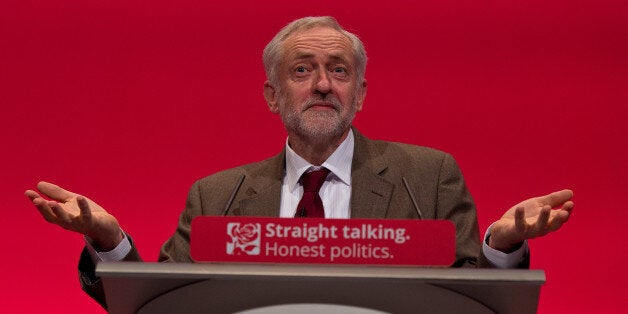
point(313, 180)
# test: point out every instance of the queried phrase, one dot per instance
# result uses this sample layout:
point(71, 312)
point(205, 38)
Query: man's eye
point(301, 69)
point(340, 70)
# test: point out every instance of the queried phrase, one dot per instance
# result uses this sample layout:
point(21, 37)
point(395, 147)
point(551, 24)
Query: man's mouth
point(322, 106)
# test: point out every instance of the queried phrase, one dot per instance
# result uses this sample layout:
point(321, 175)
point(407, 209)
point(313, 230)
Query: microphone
point(233, 194)
point(414, 203)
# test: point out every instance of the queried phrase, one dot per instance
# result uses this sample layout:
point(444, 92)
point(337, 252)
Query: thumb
point(86, 212)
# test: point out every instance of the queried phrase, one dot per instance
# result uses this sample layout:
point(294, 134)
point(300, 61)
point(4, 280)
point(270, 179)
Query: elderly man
point(316, 83)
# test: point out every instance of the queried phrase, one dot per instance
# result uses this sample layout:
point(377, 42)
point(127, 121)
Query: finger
point(520, 220)
point(62, 215)
point(568, 206)
point(557, 198)
point(43, 208)
point(32, 195)
point(559, 218)
point(541, 222)
point(86, 212)
point(55, 192)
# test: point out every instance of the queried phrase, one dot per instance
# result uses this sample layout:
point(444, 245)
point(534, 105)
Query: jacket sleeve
point(92, 284)
point(177, 247)
point(455, 203)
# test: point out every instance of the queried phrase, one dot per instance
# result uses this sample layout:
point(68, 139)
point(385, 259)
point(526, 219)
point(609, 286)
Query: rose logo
point(245, 239)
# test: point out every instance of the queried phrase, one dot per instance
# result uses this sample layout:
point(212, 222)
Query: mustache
point(328, 100)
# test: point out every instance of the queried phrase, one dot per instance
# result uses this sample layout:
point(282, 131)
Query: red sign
point(323, 241)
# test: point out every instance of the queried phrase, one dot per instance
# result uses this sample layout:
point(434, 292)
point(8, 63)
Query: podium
point(271, 288)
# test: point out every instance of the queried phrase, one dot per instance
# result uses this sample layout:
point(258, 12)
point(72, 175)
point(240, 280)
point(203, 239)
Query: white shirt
point(335, 191)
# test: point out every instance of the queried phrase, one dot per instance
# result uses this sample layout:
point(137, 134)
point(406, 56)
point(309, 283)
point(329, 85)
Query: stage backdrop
point(130, 102)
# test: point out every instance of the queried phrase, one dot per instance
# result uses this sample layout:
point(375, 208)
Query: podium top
point(208, 271)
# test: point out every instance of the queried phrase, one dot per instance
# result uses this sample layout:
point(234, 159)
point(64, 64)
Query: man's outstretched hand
point(531, 218)
point(77, 213)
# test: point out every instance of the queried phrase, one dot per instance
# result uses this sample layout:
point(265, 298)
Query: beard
point(317, 124)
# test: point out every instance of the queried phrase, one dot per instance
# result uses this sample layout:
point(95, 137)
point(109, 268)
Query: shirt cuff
point(115, 255)
point(500, 259)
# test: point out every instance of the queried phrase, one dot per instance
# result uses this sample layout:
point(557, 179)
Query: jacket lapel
point(260, 193)
point(371, 192)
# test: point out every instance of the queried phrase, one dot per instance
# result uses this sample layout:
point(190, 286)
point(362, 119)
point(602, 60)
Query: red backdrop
point(129, 102)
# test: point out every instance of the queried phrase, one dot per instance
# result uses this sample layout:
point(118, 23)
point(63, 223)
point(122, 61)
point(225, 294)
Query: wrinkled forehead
point(322, 41)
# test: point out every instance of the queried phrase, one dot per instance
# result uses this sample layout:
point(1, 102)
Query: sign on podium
point(323, 241)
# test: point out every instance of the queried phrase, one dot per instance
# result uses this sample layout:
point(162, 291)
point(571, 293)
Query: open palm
point(77, 213)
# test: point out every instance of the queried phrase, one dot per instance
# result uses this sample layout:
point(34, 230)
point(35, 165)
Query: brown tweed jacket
point(378, 191)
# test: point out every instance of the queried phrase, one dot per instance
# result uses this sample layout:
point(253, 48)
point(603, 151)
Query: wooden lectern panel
point(229, 288)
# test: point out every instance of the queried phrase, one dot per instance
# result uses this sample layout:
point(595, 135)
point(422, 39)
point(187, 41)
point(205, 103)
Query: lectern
point(272, 288)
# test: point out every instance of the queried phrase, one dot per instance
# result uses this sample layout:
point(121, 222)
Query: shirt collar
point(339, 163)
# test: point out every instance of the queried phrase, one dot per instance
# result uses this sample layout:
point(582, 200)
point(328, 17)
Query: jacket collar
point(260, 191)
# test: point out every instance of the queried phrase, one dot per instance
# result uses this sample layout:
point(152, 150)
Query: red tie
point(311, 204)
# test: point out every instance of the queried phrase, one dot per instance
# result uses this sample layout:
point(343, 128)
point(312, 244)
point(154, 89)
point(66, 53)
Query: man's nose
point(323, 83)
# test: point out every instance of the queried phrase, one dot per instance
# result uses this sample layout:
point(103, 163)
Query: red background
point(129, 102)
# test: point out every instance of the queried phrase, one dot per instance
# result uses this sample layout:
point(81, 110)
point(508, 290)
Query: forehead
point(317, 41)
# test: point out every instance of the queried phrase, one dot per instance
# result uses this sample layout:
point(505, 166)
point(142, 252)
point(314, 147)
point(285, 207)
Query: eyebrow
point(333, 57)
point(302, 55)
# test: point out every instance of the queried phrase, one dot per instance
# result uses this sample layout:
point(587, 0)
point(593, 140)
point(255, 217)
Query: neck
point(315, 150)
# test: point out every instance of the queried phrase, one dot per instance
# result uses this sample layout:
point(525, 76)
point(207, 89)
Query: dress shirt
point(115, 255)
point(335, 191)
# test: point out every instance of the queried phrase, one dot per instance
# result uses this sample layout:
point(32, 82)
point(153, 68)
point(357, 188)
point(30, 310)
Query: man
point(316, 83)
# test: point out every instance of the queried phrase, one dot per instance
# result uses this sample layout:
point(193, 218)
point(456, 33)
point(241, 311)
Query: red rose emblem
point(243, 236)
point(246, 233)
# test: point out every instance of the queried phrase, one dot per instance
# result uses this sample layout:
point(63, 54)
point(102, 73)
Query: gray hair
point(273, 52)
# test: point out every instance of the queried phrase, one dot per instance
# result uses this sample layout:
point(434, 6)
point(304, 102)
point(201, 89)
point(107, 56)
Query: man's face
point(318, 93)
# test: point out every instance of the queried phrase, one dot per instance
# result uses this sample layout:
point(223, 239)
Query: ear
point(361, 95)
point(270, 95)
